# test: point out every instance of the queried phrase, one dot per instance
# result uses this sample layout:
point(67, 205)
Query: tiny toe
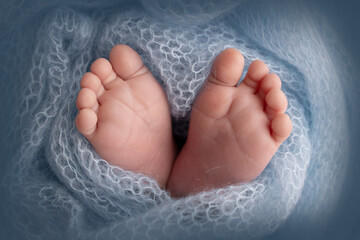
point(86, 122)
point(91, 81)
point(281, 127)
point(276, 102)
point(87, 99)
point(269, 82)
point(256, 72)
point(227, 68)
point(103, 69)
point(126, 62)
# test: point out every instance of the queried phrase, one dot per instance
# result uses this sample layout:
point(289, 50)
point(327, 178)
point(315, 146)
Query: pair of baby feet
point(234, 130)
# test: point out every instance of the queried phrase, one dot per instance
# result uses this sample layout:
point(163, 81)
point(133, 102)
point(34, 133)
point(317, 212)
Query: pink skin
point(234, 131)
point(125, 115)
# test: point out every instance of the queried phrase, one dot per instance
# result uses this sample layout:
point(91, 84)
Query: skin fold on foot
point(123, 112)
point(234, 130)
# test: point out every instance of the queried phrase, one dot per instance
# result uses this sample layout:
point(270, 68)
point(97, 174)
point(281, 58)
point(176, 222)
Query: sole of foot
point(123, 112)
point(234, 130)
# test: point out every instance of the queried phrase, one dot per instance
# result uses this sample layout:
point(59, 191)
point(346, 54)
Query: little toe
point(87, 99)
point(281, 127)
point(91, 81)
point(86, 122)
point(276, 102)
point(126, 62)
point(269, 82)
point(256, 72)
point(103, 69)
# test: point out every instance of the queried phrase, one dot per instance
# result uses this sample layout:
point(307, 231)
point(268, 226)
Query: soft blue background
point(344, 16)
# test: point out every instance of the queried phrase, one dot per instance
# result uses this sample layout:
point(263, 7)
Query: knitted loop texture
point(60, 188)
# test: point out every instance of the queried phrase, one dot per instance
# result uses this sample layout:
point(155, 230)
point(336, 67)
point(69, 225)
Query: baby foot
point(234, 131)
point(125, 116)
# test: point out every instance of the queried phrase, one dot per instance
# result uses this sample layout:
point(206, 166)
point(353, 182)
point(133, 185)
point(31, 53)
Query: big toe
point(126, 62)
point(227, 68)
point(216, 96)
